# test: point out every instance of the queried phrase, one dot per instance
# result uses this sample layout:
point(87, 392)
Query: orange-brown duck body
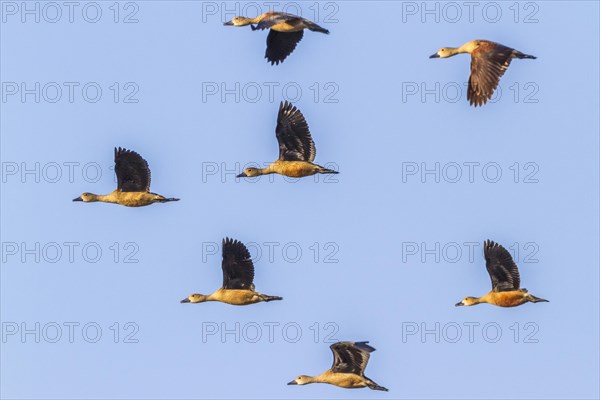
point(133, 183)
point(297, 150)
point(506, 290)
point(348, 370)
point(489, 61)
point(285, 32)
point(238, 277)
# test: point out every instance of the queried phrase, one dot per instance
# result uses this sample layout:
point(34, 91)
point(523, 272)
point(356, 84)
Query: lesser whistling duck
point(506, 290)
point(489, 60)
point(133, 183)
point(238, 274)
point(348, 370)
point(285, 31)
point(296, 148)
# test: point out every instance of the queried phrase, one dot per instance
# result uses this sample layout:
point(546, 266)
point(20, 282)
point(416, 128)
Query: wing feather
point(488, 64)
point(350, 357)
point(133, 173)
point(293, 135)
point(281, 44)
point(501, 267)
point(238, 270)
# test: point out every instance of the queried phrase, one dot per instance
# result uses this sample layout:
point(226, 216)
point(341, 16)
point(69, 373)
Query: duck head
point(302, 380)
point(87, 197)
point(238, 21)
point(468, 301)
point(250, 172)
point(444, 52)
point(195, 298)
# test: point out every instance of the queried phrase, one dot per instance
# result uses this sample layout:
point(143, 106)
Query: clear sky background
point(374, 221)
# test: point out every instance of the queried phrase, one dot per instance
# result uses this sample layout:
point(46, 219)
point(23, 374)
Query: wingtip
point(122, 150)
point(489, 245)
point(289, 108)
point(365, 346)
point(227, 241)
point(273, 62)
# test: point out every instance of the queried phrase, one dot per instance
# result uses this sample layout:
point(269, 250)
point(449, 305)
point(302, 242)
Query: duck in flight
point(296, 148)
point(133, 183)
point(285, 31)
point(489, 61)
point(238, 277)
point(348, 370)
point(506, 290)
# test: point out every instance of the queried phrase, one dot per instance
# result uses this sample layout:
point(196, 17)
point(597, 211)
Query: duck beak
point(436, 55)
point(229, 23)
point(460, 303)
point(242, 175)
point(292, 383)
point(78, 199)
point(186, 300)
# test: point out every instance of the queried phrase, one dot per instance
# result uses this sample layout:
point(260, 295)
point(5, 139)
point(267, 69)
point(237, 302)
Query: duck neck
point(316, 379)
point(252, 21)
point(266, 171)
point(105, 198)
point(465, 48)
point(483, 299)
point(216, 296)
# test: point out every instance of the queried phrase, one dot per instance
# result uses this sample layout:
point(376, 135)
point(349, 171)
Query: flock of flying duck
point(297, 152)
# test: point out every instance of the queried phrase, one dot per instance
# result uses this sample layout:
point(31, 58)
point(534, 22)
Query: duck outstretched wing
point(133, 173)
point(488, 63)
point(281, 44)
point(293, 135)
point(350, 357)
point(501, 267)
point(238, 270)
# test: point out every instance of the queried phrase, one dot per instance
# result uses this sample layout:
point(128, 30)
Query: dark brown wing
point(488, 63)
point(133, 174)
point(281, 44)
point(293, 135)
point(501, 267)
point(350, 357)
point(238, 270)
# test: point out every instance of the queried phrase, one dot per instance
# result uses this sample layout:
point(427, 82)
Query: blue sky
point(393, 240)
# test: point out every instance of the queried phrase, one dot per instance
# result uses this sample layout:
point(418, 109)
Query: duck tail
point(534, 299)
point(324, 170)
point(316, 28)
point(265, 297)
point(166, 200)
point(372, 385)
point(518, 54)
